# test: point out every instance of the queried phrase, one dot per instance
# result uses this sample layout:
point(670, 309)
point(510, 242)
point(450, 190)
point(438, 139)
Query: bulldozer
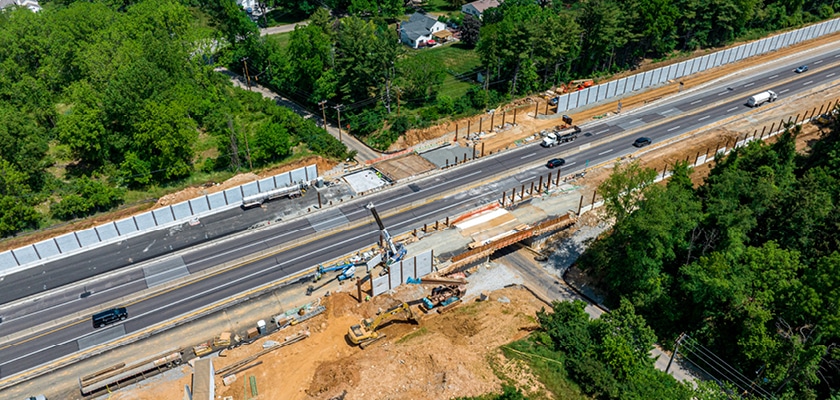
point(365, 334)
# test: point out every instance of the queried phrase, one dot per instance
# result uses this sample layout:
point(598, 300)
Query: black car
point(109, 317)
point(800, 69)
point(642, 142)
point(555, 162)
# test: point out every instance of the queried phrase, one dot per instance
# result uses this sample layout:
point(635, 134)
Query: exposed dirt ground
point(405, 166)
point(527, 124)
point(444, 356)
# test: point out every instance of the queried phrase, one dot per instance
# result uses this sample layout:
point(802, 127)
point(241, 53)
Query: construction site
point(423, 314)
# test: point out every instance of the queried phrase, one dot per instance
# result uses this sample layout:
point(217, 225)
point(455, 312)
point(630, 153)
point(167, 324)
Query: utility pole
point(398, 101)
point(234, 149)
point(247, 78)
point(338, 109)
point(248, 149)
point(323, 113)
point(676, 348)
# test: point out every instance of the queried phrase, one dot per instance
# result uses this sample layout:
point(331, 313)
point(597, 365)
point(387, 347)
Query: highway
point(430, 197)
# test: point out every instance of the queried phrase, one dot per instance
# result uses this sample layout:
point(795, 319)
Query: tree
point(625, 188)
point(355, 60)
point(309, 55)
point(470, 30)
point(655, 24)
point(82, 127)
point(605, 31)
point(272, 142)
point(89, 196)
point(421, 77)
point(16, 216)
point(165, 136)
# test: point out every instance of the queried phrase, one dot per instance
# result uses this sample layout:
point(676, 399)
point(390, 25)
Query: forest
point(743, 270)
point(99, 102)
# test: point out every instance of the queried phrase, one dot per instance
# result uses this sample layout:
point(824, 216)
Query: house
point(248, 5)
point(30, 4)
point(419, 28)
point(477, 8)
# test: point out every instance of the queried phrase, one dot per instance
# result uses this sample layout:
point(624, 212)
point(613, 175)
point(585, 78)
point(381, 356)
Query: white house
point(30, 4)
point(477, 8)
point(419, 29)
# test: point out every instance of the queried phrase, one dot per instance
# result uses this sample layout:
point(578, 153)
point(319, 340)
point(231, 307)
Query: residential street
point(364, 152)
point(281, 29)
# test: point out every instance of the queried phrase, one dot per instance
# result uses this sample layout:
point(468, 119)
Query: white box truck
point(767, 96)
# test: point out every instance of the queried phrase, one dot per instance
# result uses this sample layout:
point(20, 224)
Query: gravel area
point(489, 277)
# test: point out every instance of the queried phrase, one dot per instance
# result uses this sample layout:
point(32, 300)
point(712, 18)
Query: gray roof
point(418, 25)
point(483, 5)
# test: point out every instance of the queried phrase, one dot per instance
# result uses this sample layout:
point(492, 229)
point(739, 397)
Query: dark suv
point(108, 317)
point(555, 162)
point(642, 142)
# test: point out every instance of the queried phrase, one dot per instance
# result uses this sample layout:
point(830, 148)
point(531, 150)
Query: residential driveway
point(363, 152)
point(546, 285)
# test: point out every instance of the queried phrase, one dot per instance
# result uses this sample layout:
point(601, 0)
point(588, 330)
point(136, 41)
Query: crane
point(395, 251)
point(365, 332)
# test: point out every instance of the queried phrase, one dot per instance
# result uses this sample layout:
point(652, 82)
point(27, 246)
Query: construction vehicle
point(348, 271)
point(580, 84)
point(395, 252)
point(260, 198)
point(365, 333)
point(552, 139)
point(443, 298)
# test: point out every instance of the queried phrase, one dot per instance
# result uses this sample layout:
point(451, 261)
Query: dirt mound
point(332, 375)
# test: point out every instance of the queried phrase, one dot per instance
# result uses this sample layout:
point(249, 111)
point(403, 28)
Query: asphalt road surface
point(690, 112)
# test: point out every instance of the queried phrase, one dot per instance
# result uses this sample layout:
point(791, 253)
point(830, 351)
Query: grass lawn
point(439, 6)
point(279, 16)
point(461, 63)
point(282, 39)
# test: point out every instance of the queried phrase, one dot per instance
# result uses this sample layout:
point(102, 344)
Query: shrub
point(90, 196)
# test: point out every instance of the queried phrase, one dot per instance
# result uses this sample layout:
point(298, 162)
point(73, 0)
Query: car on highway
point(642, 142)
point(800, 69)
point(38, 397)
point(555, 162)
point(109, 317)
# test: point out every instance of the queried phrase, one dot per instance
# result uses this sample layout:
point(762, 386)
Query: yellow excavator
point(365, 332)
